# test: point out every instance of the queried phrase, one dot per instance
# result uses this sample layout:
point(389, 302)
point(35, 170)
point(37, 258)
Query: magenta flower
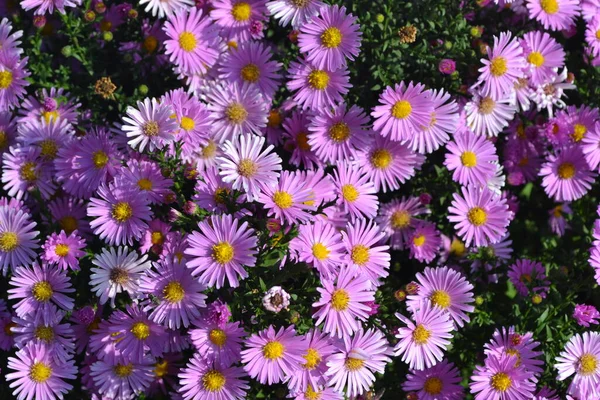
point(555, 15)
point(17, 239)
point(201, 380)
point(290, 200)
point(397, 220)
point(219, 343)
point(440, 382)
point(424, 242)
point(48, 6)
point(581, 357)
point(529, 276)
point(586, 315)
point(23, 171)
point(508, 341)
point(566, 174)
point(64, 250)
point(443, 122)
point(356, 194)
point(502, 378)
point(121, 380)
point(543, 54)
point(13, 81)
point(447, 66)
point(471, 158)
point(296, 140)
point(235, 18)
point(311, 374)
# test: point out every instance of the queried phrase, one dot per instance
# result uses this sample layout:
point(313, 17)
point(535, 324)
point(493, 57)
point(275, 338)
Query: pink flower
point(586, 315)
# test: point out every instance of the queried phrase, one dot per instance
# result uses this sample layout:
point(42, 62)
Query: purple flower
point(586, 315)
point(447, 66)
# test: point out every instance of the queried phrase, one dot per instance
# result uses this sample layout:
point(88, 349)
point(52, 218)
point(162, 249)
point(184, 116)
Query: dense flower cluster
point(135, 252)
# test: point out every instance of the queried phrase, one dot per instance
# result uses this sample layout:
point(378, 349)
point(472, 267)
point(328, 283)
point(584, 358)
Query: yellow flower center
point(313, 359)
point(401, 109)
point(250, 73)
point(498, 66)
point(42, 291)
point(28, 172)
point(579, 132)
point(320, 252)
point(8, 241)
point(123, 370)
point(501, 382)
point(400, 219)
point(145, 184)
point(331, 38)
point(566, 170)
point(119, 275)
point(536, 58)
point(68, 223)
point(381, 158)
point(353, 364)
point(273, 350)
point(440, 298)
point(457, 248)
point(587, 364)
point(173, 292)
point(318, 79)
point(151, 128)
point(161, 368)
point(187, 41)
point(549, 6)
point(340, 300)
point(419, 240)
point(557, 212)
point(218, 337)
point(247, 168)
point(283, 200)
point(433, 385)
point(122, 211)
point(598, 34)
point(222, 252)
point(241, 11)
point(45, 333)
point(477, 216)
point(187, 124)
point(6, 78)
point(236, 113)
point(302, 141)
point(61, 250)
point(360, 254)
point(468, 159)
point(299, 3)
point(213, 381)
point(151, 43)
point(339, 132)
point(209, 150)
point(40, 372)
point(349, 193)
point(274, 119)
point(220, 195)
point(310, 394)
point(157, 238)
point(421, 335)
point(50, 115)
point(486, 106)
point(100, 159)
point(140, 330)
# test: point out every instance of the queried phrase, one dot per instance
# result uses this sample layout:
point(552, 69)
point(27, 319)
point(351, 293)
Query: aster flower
point(294, 12)
point(356, 194)
point(508, 341)
point(486, 116)
point(64, 250)
point(336, 134)
point(202, 381)
point(49, 105)
point(581, 356)
point(121, 380)
point(555, 15)
point(313, 367)
point(37, 374)
point(219, 343)
point(543, 55)
point(211, 191)
point(12, 80)
point(149, 125)
point(586, 315)
point(70, 214)
point(558, 223)
point(319, 244)
point(296, 140)
point(505, 65)
point(422, 342)
point(549, 94)
point(331, 38)
point(145, 177)
point(192, 40)
point(479, 215)
point(17, 239)
point(9, 41)
point(115, 272)
point(403, 110)
point(471, 158)
point(353, 367)
point(178, 296)
point(342, 303)
point(47, 6)
point(48, 137)
point(529, 275)
point(8, 131)
point(443, 121)
point(502, 378)
point(290, 200)
point(156, 235)
point(167, 8)
point(389, 164)
point(397, 221)
point(235, 17)
point(247, 166)
point(38, 287)
point(272, 355)
point(316, 88)
point(440, 382)
point(135, 334)
point(23, 170)
point(221, 250)
point(364, 256)
point(566, 174)
point(581, 121)
point(252, 63)
point(120, 214)
point(592, 37)
point(85, 164)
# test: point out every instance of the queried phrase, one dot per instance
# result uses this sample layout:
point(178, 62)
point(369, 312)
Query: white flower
point(276, 299)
